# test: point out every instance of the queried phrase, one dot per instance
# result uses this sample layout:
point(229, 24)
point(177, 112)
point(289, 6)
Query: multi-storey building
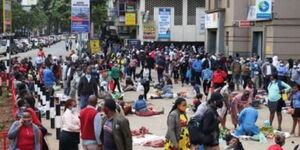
point(264, 27)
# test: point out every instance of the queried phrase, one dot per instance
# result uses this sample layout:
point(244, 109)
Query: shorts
point(276, 106)
point(296, 113)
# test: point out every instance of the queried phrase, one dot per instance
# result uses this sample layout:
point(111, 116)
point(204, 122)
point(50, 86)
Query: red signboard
point(246, 23)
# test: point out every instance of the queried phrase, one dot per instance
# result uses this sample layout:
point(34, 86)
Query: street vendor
point(247, 120)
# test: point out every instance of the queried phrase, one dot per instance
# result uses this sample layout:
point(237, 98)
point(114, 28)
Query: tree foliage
point(54, 14)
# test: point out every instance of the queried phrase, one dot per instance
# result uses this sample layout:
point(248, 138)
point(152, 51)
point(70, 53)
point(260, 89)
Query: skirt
point(69, 140)
point(276, 106)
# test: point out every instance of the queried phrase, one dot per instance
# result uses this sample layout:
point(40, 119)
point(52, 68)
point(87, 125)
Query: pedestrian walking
point(87, 86)
point(177, 134)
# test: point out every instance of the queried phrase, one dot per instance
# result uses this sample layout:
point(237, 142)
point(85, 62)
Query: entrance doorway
point(212, 41)
point(257, 44)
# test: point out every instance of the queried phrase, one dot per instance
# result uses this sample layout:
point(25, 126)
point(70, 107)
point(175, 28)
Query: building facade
point(160, 20)
point(264, 27)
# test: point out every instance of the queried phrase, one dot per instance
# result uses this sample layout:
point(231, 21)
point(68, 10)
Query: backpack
point(194, 127)
point(218, 78)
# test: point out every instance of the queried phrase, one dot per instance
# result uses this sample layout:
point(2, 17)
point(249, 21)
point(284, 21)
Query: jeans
point(84, 101)
point(206, 86)
point(236, 79)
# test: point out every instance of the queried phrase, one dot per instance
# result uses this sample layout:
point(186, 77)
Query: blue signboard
point(263, 9)
point(80, 18)
point(164, 24)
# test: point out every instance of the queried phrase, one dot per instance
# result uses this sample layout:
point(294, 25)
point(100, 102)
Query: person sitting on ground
point(122, 106)
point(233, 143)
point(197, 102)
point(129, 85)
point(166, 91)
point(141, 109)
point(280, 141)
point(247, 120)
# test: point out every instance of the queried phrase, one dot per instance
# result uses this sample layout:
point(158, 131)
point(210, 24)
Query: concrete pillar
point(140, 12)
point(220, 47)
point(184, 12)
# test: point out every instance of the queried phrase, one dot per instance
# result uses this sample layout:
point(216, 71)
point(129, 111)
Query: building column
point(140, 23)
point(220, 47)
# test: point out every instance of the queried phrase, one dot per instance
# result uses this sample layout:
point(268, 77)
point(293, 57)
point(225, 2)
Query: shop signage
point(80, 16)
point(149, 31)
point(263, 9)
point(130, 19)
point(164, 23)
point(211, 20)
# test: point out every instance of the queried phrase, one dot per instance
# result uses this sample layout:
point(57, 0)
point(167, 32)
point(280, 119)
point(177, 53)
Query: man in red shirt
point(90, 121)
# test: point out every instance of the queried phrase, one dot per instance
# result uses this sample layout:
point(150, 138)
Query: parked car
point(4, 44)
point(27, 44)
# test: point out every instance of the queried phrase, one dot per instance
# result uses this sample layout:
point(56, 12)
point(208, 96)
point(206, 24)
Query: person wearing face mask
point(116, 134)
point(25, 135)
point(210, 121)
point(87, 86)
point(282, 72)
point(275, 102)
point(69, 136)
point(177, 134)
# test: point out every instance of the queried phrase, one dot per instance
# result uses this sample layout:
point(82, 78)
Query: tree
point(98, 14)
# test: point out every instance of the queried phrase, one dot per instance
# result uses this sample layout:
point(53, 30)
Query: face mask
point(74, 109)
point(88, 76)
point(27, 123)
point(182, 108)
point(219, 104)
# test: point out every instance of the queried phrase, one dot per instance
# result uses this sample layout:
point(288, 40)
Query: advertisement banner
point(80, 16)
point(28, 2)
point(149, 31)
point(211, 20)
point(130, 19)
point(202, 22)
point(95, 46)
point(164, 23)
point(7, 19)
point(263, 9)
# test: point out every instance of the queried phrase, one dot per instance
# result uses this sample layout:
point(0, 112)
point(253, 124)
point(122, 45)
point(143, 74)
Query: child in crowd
point(197, 102)
point(280, 141)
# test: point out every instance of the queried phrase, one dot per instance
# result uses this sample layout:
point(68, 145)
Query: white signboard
point(211, 20)
point(28, 2)
point(202, 22)
point(164, 23)
point(263, 9)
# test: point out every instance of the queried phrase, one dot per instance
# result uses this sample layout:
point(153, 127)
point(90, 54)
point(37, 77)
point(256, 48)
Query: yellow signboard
point(95, 46)
point(130, 19)
point(268, 49)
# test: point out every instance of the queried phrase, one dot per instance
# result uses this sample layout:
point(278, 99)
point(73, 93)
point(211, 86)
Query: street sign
point(95, 46)
point(7, 17)
point(246, 23)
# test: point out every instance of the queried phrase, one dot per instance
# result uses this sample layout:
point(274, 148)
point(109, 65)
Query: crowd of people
point(222, 85)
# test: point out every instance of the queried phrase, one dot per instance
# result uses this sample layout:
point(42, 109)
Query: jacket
point(219, 77)
point(13, 135)
point(87, 88)
point(87, 117)
point(246, 70)
point(121, 132)
point(48, 77)
point(211, 126)
point(282, 71)
point(236, 68)
point(265, 71)
point(174, 127)
point(140, 105)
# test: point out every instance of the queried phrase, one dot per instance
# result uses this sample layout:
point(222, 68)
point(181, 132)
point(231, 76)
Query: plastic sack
point(139, 87)
point(262, 138)
point(285, 96)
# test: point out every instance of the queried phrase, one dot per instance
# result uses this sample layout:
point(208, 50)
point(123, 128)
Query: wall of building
point(185, 23)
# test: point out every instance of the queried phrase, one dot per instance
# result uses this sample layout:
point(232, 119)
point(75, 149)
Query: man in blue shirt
point(196, 70)
point(49, 79)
